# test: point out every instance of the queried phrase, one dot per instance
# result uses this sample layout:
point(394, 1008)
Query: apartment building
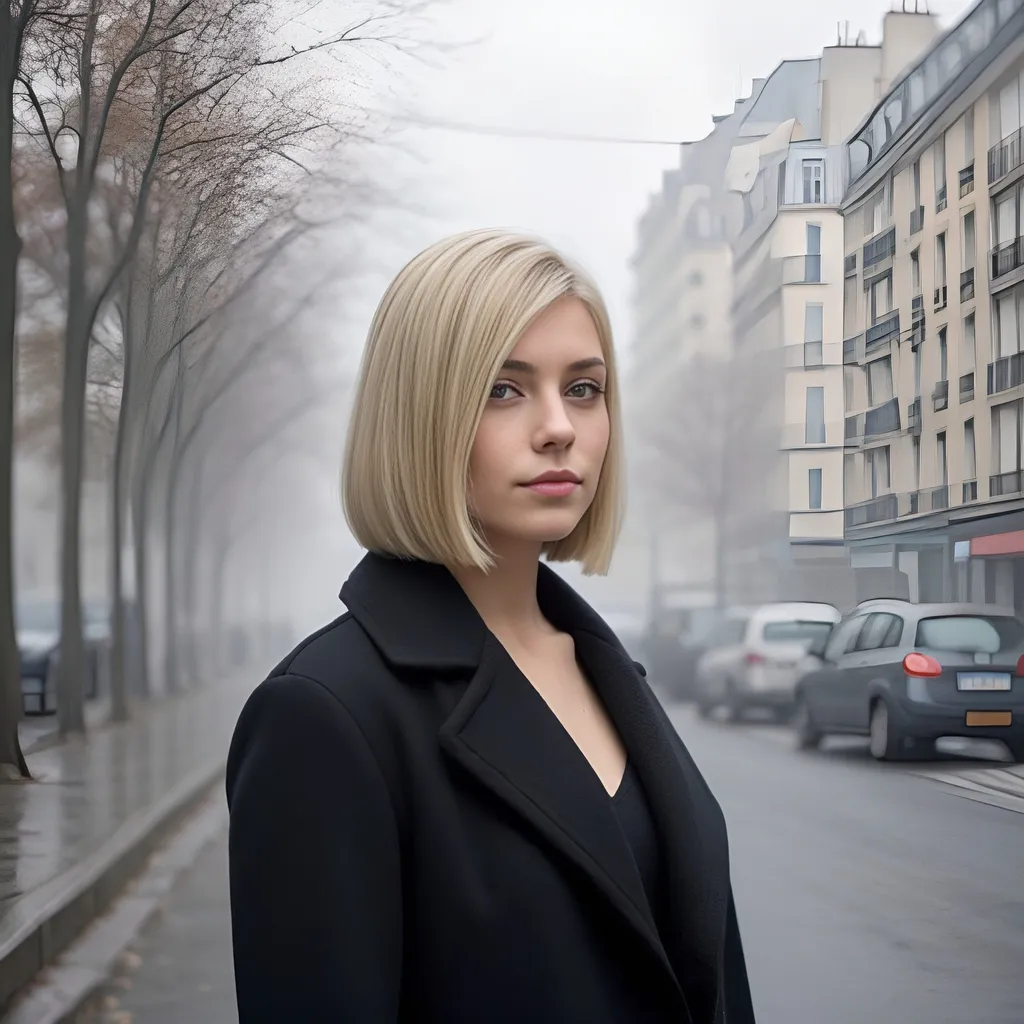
point(934, 320)
point(682, 269)
point(789, 168)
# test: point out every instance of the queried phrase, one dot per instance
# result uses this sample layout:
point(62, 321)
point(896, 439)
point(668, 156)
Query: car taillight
point(1020, 665)
point(753, 658)
point(917, 664)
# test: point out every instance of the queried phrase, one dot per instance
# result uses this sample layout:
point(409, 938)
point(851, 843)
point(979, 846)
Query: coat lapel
point(504, 735)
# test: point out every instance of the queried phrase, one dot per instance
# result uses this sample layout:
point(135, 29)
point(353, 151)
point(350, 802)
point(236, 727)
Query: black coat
point(415, 837)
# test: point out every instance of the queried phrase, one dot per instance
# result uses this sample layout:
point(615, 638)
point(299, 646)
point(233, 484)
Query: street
point(866, 892)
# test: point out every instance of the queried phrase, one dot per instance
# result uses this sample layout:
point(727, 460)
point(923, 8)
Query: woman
point(460, 802)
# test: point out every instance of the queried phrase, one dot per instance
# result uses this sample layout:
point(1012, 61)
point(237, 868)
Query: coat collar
point(502, 732)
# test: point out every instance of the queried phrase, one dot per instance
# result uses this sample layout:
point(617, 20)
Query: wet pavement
point(866, 893)
point(86, 789)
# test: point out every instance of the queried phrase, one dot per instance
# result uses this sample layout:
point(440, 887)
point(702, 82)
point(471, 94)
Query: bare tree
point(710, 449)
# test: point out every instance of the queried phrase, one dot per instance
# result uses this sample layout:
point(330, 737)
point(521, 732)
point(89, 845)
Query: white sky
point(634, 68)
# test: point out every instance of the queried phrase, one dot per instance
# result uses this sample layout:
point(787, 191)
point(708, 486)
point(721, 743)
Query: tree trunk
point(118, 674)
point(193, 602)
point(70, 689)
point(221, 551)
point(172, 663)
point(140, 538)
point(12, 760)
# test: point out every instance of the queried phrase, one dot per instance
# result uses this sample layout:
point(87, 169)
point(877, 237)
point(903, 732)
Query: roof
point(790, 91)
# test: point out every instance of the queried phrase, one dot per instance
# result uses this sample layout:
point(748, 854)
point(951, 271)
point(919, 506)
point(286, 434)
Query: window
point(851, 296)
point(969, 241)
point(812, 261)
point(875, 213)
point(1007, 324)
point(880, 298)
point(969, 634)
point(940, 168)
point(879, 381)
point(915, 272)
point(943, 355)
point(814, 181)
point(813, 323)
point(940, 457)
point(877, 630)
point(877, 465)
point(1006, 218)
point(1006, 426)
point(848, 385)
point(814, 427)
point(970, 454)
point(843, 637)
point(969, 135)
point(917, 183)
point(940, 260)
point(917, 371)
point(968, 356)
point(1009, 109)
point(814, 488)
point(800, 629)
point(782, 184)
point(916, 452)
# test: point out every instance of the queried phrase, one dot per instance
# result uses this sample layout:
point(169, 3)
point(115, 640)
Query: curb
point(60, 912)
point(73, 983)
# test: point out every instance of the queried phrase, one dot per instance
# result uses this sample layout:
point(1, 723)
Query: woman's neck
point(506, 597)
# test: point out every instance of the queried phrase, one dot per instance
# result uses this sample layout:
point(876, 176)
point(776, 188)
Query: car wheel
point(1017, 752)
point(808, 736)
point(884, 742)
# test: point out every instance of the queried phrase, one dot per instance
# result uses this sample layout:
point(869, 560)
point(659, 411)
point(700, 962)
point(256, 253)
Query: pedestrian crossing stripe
point(1000, 787)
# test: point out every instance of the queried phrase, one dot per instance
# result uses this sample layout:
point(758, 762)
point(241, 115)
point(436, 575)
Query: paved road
point(866, 893)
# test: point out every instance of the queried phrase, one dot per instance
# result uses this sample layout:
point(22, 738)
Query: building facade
point(934, 308)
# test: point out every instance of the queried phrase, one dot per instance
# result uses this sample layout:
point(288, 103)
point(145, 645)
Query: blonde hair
point(443, 329)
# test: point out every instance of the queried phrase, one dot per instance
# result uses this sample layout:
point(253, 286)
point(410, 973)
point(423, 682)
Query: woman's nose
point(555, 429)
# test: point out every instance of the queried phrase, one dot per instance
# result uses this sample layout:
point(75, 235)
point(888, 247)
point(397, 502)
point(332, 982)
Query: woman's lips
point(553, 488)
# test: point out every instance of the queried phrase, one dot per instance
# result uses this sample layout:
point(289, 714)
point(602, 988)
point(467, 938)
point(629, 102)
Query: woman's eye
point(585, 389)
point(500, 391)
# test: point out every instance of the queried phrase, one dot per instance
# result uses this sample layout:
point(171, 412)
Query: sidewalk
point(70, 840)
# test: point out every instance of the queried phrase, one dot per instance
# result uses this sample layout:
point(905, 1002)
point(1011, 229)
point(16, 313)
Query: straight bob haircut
point(436, 344)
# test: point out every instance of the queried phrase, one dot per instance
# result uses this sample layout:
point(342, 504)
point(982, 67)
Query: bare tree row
point(160, 164)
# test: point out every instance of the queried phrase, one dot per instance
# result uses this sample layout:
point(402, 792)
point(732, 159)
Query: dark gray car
point(906, 674)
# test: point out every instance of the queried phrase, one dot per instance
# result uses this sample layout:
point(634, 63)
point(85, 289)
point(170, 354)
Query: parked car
point(37, 625)
point(680, 682)
point(905, 675)
point(753, 657)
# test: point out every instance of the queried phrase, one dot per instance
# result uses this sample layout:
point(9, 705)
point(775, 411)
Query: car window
point(799, 629)
point(843, 637)
point(874, 631)
point(971, 634)
point(895, 634)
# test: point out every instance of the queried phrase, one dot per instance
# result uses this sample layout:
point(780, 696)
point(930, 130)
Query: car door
point(860, 667)
point(823, 689)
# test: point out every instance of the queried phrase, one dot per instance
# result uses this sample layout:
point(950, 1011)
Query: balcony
point(967, 387)
point(916, 220)
point(813, 355)
point(878, 510)
point(969, 492)
point(1004, 157)
point(804, 269)
point(1002, 484)
point(882, 331)
point(967, 180)
point(914, 417)
point(967, 285)
point(850, 265)
point(853, 350)
point(940, 297)
point(940, 199)
point(880, 248)
point(1006, 373)
point(940, 396)
point(877, 422)
point(916, 310)
point(939, 497)
point(1007, 257)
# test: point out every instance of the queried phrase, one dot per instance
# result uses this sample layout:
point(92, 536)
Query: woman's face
point(538, 451)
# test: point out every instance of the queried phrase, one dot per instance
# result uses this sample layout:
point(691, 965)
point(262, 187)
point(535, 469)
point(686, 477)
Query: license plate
point(983, 681)
point(989, 718)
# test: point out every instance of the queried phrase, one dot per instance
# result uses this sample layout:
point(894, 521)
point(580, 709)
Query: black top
point(637, 822)
point(413, 839)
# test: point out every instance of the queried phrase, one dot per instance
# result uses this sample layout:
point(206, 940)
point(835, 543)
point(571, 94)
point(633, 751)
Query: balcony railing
point(940, 297)
point(1002, 484)
point(850, 265)
point(967, 179)
point(1007, 257)
point(969, 492)
point(916, 310)
point(1004, 156)
point(877, 510)
point(853, 350)
point(813, 355)
point(914, 416)
point(940, 396)
point(967, 285)
point(916, 219)
point(881, 247)
point(805, 269)
point(967, 387)
point(1006, 373)
point(940, 497)
point(886, 328)
point(940, 199)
